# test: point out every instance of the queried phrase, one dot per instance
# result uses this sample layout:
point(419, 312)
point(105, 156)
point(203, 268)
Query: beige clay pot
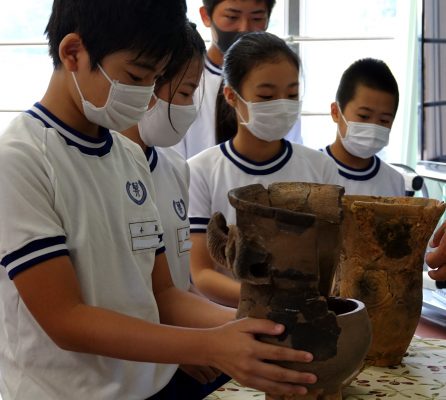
point(284, 249)
point(384, 242)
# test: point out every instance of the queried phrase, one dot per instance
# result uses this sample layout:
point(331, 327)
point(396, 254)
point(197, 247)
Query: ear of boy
point(69, 50)
point(62, 98)
point(334, 112)
point(205, 17)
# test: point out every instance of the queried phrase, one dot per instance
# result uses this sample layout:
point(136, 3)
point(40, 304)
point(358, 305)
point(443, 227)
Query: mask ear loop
point(247, 104)
point(155, 104)
point(77, 86)
point(106, 76)
point(79, 89)
point(346, 122)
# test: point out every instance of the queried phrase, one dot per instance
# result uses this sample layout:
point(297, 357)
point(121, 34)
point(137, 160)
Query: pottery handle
point(217, 238)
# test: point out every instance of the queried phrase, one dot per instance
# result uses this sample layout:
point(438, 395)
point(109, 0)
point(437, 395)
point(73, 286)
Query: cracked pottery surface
point(381, 263)
point(284, 249)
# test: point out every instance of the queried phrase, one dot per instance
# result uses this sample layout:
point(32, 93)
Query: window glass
point(328, 18)
point(24, 20)
point(26, 71)
point(26, 66)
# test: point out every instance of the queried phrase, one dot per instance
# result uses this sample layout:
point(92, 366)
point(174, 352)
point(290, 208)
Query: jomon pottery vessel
point(284, 249)
point(383, 247)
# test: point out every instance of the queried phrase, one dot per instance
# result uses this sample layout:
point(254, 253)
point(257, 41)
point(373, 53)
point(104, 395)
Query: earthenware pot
point(284, 249)
point(381, 263)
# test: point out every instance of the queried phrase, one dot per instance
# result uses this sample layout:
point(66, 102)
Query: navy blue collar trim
point(362, 174)
point(258, 168)
point(152, 158)
point(214, 69)
point(86, 144)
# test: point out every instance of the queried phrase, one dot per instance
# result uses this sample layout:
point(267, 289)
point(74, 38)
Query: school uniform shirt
point(379, 179)
point(201, 134)
point(170, 174)
point(67, 194)
point(221, 168)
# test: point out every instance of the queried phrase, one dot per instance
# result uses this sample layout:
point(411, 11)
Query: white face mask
point(156, 129)
point(125, 105)
point(271, 120)
point(363, 140)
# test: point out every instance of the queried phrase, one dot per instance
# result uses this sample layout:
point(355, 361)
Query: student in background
point(364, 110)
point(261, 83)
point(87, 304)
point(228, 20)
point(171, 111)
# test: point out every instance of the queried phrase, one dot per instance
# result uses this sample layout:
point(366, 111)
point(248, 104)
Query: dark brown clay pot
point(384, 242)
point(339, 370)
point(284, 249)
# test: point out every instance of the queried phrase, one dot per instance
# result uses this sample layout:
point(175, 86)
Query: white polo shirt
point(378, 179)
point(64, 193)
point(221, 168)
point(170, 174)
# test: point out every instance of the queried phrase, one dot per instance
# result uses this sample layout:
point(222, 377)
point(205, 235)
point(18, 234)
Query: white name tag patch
point(183, 239)
point(145, 235)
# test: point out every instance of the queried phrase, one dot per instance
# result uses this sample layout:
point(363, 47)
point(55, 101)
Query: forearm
point(99, 331)
point(218, 287)
point(177, 307)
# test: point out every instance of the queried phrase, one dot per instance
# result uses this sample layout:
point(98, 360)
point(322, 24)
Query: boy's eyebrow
point(370, 110)
point(234, 10)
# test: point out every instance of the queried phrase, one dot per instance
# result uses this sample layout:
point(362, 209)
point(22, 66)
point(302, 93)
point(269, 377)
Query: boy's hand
point(203, 375)
point(234, 350)
point(437, 259)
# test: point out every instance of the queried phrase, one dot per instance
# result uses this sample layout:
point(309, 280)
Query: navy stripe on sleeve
point(34, 253)
point(198, 225)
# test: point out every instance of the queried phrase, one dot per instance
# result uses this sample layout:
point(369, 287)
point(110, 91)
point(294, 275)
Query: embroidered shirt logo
point(137, 192)
point(180, 209)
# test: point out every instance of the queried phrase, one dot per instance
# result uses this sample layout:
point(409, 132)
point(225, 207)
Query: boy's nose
point(245, 25)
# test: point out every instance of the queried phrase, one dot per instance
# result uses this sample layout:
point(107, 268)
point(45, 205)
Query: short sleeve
point(31, 231)
point(199, 195)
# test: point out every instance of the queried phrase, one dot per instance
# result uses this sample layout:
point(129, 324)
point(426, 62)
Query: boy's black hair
point(151, 28)
point(211, 4)
point(251, 50)
point(370, 72)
